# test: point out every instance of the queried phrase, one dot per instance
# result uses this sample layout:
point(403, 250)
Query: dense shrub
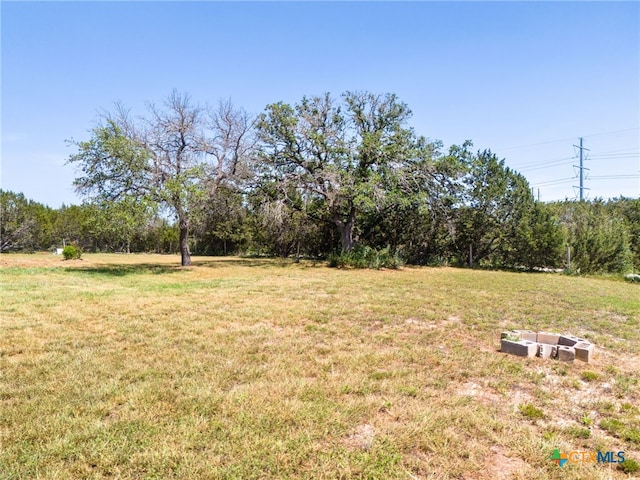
point(599, 240)
point(366, 257)
point(71, 252)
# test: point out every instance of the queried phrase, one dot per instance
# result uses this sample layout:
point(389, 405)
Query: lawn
point(129, 366)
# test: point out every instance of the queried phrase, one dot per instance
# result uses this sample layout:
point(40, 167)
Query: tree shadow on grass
point(263, 262)
point(121, 270)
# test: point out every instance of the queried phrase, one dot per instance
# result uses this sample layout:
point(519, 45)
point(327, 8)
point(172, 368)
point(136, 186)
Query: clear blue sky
point(523, 79)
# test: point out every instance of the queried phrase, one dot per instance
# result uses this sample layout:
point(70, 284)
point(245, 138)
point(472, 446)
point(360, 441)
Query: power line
point(618, 151)
point(562, 140)
point(544, 165)
point(613, 177)
point(628, 130)
point(528, 167)
point(616, 156)
point(614, 132)
point(544, 162)
point(609, 159)
point(549, 183)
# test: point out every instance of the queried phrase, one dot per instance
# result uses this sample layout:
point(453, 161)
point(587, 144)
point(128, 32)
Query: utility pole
point(582, 169)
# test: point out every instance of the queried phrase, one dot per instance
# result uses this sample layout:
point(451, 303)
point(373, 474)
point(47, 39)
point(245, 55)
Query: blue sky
point(523, 79)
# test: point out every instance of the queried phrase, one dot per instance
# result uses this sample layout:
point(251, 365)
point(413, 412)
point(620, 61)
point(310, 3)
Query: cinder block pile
point(566, 348)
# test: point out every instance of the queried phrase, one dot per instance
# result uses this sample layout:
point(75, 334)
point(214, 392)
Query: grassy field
point(128, 366)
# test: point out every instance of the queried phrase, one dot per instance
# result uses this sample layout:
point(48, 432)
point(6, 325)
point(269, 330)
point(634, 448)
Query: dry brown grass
point(128, 366)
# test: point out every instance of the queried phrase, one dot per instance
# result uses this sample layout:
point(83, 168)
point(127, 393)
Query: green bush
point(629, 466)
point(600, 240)
point(71, 252)
point(438, 261)
point(365, 257)
point(334, 260)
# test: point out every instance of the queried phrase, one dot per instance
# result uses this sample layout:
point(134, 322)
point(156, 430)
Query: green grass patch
point(589, 376)
point(629, 466)
point(129, 366)
point(579, 432)
point(531, 412)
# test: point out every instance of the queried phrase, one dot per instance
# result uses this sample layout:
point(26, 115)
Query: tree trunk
point(184, 242)
point(346, 230)
point(346, 236)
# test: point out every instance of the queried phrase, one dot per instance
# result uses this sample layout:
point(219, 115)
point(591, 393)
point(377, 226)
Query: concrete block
point(547, 351)
point(584, 351)
point(522, 348)
point(548, 338)
point(568, 340)
point(571, 340)
point(566, 353)
point(526, 335)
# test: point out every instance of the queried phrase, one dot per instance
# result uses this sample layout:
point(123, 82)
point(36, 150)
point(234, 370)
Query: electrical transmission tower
point(581, 168)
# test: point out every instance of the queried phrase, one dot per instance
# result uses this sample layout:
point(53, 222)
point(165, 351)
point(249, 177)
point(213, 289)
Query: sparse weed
point(531, 411)
point(625, 384)
point(589, 376)
point(632, 435)
point(579, 432)
point(586, 420)
point(629, 466)
point(611, 425)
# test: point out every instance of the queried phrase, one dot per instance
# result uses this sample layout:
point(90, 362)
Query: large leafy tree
point(115, 225)
point(24, 224)
point(176, 156)
point(538, 239)
point(222, 226)
point(496, 200)
point(418, 220)
point(336, 160)
point(73, 225)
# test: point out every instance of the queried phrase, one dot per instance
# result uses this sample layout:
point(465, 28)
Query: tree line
point(323, 177)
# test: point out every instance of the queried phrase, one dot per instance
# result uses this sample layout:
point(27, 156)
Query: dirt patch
point(362, 438)
point(479, 393)
point(627, 363)
point(36, 260)
point(500, 464)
